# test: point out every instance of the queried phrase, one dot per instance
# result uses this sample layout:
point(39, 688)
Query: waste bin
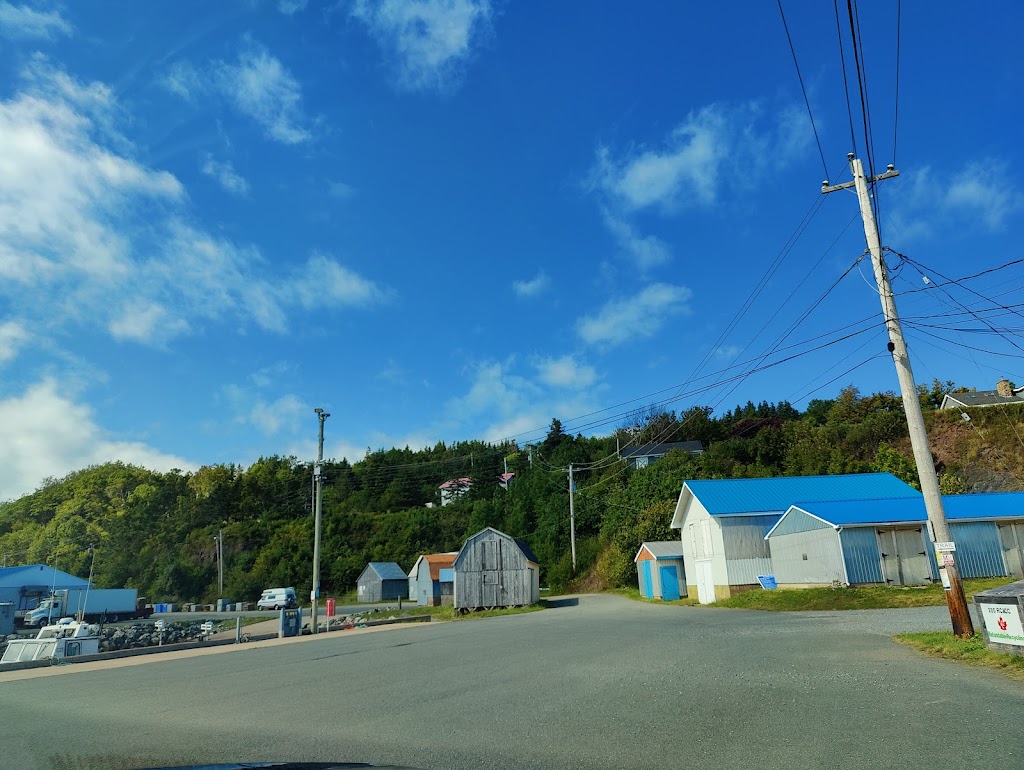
point(330, 608)
point(1002, 617)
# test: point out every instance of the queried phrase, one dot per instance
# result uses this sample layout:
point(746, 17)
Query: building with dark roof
point(493, 569)
point(382, 581)
point(643, 455)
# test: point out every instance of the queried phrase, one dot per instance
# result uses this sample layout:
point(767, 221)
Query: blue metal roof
point(851, 513)
point(723, 497)
point(388, 570)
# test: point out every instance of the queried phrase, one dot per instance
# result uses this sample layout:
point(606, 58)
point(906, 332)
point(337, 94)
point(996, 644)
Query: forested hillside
point(156, 531)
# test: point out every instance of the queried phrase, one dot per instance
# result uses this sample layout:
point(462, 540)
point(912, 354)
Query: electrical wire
point(803, 90)
point(846, 85)
point(896, 109)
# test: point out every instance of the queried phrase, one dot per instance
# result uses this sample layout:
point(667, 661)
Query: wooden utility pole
point(318, 480)
point(938, 528)
point(572, 519)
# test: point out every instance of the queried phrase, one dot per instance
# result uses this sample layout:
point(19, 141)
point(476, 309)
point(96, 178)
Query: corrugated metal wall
point(798, 521)
point(1011, 537)
point(861, 556)
point(978, 550)
point(747, 555)
point(813, 557)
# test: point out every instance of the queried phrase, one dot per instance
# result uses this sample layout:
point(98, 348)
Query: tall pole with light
point(318, 483)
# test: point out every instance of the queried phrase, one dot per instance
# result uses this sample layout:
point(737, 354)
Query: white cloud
point(646, 251)
point(20, 21)
point(268, 375)
point(82, 220)
point(532, 288)
point(272, 417)
point(291, 7)
point(634, 317)
point(13, 336)
point(982, 192)
point(565, 372)
point(430, 40)
point(31, 450)
point(728, 352)
point(183, 80)
point(261, 88)
point(226, 176)
point(340, 190)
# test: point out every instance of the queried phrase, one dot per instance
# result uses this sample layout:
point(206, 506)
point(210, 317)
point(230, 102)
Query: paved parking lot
point(604, 683)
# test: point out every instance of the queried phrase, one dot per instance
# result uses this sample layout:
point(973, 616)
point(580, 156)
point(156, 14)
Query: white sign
point(1002, 622)
point(944, 577)
point(945, 546)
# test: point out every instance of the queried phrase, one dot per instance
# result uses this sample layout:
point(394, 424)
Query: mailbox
point(330, 608)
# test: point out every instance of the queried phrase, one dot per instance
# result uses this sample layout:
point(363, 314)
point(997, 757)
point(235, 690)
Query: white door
point(705, 582)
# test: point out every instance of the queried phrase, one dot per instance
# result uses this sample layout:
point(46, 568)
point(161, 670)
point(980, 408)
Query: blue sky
point(452, 219)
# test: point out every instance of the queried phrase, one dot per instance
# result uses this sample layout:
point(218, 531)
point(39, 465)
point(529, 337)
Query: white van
point(277, 598)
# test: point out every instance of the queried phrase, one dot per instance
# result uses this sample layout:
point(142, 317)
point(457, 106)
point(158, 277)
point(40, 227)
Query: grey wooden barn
point(382, 581)
point(493, 569)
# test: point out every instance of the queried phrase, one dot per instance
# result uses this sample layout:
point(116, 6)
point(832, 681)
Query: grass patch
point(852, 598)
point(972, 652)
point(634, 594)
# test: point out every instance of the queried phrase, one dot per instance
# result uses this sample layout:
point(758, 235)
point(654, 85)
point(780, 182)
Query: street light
point(318, 481)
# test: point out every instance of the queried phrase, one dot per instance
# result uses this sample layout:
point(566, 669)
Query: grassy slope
point(973, 652)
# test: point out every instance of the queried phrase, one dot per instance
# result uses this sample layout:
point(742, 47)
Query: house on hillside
point(453, 489)
point(643, 455)
point(1004, 393)
point(659, 570)
point(505, 480)
point(382, 581)
point(722, 522)
point(25, 586)
point(858, 542)
point(431, 579)
point(493, 569)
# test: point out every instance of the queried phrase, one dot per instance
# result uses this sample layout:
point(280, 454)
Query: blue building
point(432, 579)
point(723, 522)
point(382, 581)
point(858, 542)
point(659, 570)
point(26, 585)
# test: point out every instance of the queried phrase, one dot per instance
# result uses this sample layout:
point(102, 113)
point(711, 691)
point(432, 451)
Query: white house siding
point(812, 557)
point(748, 554)
point(702, 542)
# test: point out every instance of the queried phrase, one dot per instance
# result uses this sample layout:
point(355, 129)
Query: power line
point(896, 111)
point(800, 78)
point(846, 85)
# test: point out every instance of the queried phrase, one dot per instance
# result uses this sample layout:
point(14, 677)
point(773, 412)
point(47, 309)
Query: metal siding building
point(426, 579)
point(26, 585)
point(885, 541)
point(382, 581)
point(493, 569)
point(723, 523)
point(660, 573)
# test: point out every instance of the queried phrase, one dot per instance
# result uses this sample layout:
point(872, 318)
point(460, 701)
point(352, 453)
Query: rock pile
point(145, 635)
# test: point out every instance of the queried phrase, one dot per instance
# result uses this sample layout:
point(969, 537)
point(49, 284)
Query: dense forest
point(156, 531)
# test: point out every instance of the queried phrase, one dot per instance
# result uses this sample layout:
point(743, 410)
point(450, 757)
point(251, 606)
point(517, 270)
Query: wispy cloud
point(982, 192)
point(340, 190)
point(13, 337)
point(717, 149)
point(430, 41)
point(85, 221)
point(183, 80)
point(262, 88)
point(634, 317)
point(21, 21)
point(225, 175)
point(291, 7)
point(565, 372)
point(533, 287)
point(31, 450)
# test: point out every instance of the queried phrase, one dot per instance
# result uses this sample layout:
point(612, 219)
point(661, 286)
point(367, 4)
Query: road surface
point(603, 683)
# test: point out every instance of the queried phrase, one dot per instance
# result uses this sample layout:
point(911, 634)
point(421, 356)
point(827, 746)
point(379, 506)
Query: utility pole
point(220, 563)
point(938, 528)
point(318, 480)
point(572, 519)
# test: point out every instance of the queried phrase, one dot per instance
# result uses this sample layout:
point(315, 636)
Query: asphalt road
point(607, 683)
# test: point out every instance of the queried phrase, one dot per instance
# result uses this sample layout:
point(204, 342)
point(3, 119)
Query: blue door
point(645, 588)
point(669, 583)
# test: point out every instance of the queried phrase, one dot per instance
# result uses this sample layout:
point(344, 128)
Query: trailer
point(95, 605)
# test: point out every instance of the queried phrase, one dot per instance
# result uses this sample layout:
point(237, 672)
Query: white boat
point(65, 639)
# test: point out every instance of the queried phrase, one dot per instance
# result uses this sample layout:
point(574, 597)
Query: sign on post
point(767, 582)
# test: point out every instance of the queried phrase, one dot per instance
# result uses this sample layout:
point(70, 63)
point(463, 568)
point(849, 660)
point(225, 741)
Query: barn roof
point(854, 513)
point(523, 545)
point(436, 562)
point(39, 574)
point(662, 549)
point(388, 570)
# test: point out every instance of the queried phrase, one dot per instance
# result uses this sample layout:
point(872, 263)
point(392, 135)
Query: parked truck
point(96, 605)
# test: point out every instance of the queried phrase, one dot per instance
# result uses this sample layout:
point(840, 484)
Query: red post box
point(330, 608)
